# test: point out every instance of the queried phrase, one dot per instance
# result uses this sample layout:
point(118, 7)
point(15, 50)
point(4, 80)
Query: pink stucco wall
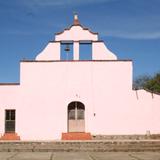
point(104, 86)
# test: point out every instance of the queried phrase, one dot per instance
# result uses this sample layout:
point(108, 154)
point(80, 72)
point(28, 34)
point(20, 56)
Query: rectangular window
point(85, 50)
point(67, 50)
point(10, 117)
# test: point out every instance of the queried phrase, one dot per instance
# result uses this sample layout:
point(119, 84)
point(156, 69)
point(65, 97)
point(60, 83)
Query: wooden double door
point(76, 117)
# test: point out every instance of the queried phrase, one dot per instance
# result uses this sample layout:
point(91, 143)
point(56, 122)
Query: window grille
point(10, 116)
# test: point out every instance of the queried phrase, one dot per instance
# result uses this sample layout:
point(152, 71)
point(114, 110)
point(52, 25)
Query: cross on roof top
point(76, 21)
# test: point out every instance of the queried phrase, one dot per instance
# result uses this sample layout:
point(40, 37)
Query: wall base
point(76, 136)
point(10, 136)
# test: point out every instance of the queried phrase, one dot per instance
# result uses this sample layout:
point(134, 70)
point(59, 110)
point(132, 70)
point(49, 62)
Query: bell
point(67, 49)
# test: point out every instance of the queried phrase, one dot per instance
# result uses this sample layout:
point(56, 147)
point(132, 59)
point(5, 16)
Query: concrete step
point(127, 137)
point(83, 146)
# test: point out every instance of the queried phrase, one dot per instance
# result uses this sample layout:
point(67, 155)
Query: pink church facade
point(62, 92)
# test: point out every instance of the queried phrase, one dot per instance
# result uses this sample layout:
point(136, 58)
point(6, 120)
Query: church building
point(74, 89)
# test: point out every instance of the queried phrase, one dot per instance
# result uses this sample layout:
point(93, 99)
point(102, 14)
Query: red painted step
point(76, 136)
point(10, 136)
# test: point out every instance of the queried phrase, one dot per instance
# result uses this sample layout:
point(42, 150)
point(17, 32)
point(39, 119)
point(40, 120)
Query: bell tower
point(76, 43)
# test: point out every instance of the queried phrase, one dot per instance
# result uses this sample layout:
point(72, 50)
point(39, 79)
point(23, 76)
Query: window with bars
point(10, 117)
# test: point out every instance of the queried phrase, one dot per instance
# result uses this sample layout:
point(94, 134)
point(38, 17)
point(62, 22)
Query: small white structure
point(76, 86)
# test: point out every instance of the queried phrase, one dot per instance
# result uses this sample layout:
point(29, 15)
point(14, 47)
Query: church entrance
point(76, 117)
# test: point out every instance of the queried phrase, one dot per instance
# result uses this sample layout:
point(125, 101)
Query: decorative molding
point(84, 28)
point(3, 84)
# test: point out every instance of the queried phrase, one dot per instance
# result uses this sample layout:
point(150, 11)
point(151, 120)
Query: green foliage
point(153, 84)
point(140, 82)
point(149, 83)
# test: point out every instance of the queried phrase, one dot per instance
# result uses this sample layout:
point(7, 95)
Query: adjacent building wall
point(9, 99)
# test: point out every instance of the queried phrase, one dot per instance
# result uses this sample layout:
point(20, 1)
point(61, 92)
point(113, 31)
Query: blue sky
point(130, 29)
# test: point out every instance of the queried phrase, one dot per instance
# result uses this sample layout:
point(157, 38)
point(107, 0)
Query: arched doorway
point(76, 117)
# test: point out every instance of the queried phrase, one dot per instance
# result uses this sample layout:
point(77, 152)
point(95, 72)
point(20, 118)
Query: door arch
point(76, 117)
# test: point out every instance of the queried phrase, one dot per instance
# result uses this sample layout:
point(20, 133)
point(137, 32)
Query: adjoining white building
point(76, 88)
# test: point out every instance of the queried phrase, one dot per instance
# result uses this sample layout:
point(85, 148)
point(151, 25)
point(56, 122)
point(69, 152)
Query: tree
point(140, 82)
point(148, 83)
point(153, 84)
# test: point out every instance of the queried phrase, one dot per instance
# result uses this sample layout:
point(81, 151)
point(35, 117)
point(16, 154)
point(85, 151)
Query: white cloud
point(63, 2)
point(132, 35)
point(17, 32)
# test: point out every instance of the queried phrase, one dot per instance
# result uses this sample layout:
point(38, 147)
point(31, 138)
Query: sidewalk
point(80, 156)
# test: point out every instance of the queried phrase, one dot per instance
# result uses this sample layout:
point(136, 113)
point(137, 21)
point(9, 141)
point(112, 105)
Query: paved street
point(80, 156)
